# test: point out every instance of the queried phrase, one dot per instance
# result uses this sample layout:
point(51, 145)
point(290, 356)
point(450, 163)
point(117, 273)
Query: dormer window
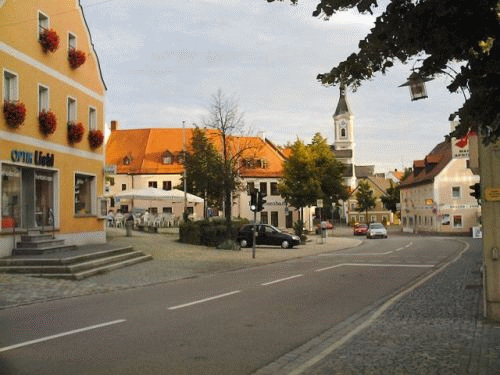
point(166, 158)
point(127, 159)
point(180, 158)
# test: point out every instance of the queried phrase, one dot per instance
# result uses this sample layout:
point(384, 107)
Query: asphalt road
point(224, 323)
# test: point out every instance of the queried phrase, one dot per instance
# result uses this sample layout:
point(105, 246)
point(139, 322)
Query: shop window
point(43, 98)
point(263, 218)
point(274, 188)
point(404, 221)
point(124, 187)
point(11, 196)
point(10, 86)
point(71, 109)
point(153, 210)
point(153, 184)
point(457, 221)
point(455, 192)
point(167, 210)
point(84, 194)
point(43, 23)
point(92, 118)
point(71, 41)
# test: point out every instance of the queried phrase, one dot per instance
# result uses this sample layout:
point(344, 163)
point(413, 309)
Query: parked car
point(360, 229)
point(376, 230)
point(266, 235)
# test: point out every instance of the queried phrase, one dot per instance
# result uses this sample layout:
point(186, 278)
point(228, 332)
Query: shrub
point(210, 232)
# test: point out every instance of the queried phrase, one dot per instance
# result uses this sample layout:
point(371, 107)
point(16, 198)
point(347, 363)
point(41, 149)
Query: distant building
point(52, 171)
point(435, 197)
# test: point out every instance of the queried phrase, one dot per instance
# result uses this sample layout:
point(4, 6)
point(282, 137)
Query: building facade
point(436, 197)
point(51, 151)
point(153, 158)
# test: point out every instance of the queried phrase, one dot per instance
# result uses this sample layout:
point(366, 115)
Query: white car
point(376, 230)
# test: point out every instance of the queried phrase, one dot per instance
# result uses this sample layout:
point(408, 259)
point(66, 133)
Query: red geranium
point(14, 113)
point(76, 58)
point(49, 40)
point(47, 122)
point(95, 138)
point(75, 132)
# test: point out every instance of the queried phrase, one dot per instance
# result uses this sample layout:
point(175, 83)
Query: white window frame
point(13, 94)
point(92, 118)
point(40, 106)
point(68, 114)
point(46, 19)
point(72, 37)
point(461, 221)
point(459, 192)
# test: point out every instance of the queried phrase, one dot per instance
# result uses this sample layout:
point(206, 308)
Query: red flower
point(49, 40)
point(95, 138)
point(14, 113)
point(47, 122)
point(76, 58)
point(75, 132)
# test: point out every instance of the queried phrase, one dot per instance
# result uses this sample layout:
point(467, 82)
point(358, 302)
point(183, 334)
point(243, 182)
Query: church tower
point(343, 147)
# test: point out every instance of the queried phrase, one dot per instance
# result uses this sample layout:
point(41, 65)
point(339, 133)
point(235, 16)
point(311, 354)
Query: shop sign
point(37, 158)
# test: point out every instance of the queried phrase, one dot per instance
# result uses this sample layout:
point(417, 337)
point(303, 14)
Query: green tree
point(299, 184)
point(365, 198)
point(391, 197)
point(203, 169)
point(437, 34)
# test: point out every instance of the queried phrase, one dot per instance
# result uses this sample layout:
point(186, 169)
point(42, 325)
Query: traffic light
point(260, 201)
point(476, 190)
point(253, 200)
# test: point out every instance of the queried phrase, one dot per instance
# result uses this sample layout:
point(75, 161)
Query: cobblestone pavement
point(437, 328)
point(171, 260)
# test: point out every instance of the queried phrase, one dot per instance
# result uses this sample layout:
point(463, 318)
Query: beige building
point(436, 197)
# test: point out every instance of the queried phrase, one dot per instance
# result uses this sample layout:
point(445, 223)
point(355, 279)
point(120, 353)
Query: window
point(373, 218)
point(11, 196)
point(190, 210)
point(167, 210)
point(84, 194)
point(250, 187)
point(455, 192)
point(71, 110)
point(167, 158)
point(343, 133)
point(361, 218)
point(153, 184)
point(10, 86)
point(153, 210)
point(274, 188)
point(274, 218)
point(43, 98)
point(404, 221)
point(263, 217)
point(92, 118)
point(457, 221)
point(167, 185)
point(71, 41)
point(124, 187)
point(43, 23)
point(263, 187)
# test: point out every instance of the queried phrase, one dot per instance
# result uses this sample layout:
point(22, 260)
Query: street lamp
point(417, 86)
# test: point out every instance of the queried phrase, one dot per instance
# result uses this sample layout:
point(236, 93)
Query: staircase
point(44, 256)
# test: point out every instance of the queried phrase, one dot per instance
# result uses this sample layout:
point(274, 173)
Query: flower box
point(49, 40)
point(75, 132)
point(76, 58)
point(47, 122)
point(14, 113)
point(96, 138)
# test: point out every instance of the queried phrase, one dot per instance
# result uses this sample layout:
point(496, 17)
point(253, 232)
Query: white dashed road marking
point(204, 300)
point(280, 280)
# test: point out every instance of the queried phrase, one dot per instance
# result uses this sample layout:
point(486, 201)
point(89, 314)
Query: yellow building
point(51, 150)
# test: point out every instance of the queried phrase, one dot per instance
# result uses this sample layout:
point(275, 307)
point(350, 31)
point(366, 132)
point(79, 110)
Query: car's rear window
point(376, 226)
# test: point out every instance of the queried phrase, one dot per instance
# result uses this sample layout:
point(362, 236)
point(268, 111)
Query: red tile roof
point(146, 147)
point(426, 170)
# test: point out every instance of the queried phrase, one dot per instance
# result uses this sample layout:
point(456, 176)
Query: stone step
point(36, 237)
point(39, 244)
point(42, 249)
point(40, 269)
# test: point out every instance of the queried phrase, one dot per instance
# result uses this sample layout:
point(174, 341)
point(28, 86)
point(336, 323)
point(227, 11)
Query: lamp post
point(417, 86)
point(184, 161)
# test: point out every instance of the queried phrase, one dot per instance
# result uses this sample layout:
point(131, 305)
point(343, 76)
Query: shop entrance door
point(44, 197)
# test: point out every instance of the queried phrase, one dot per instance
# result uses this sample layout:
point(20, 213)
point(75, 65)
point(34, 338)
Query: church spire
point(342, 106)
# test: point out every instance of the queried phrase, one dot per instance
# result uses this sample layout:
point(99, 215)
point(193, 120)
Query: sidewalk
point(437, 328)
point(171, 261)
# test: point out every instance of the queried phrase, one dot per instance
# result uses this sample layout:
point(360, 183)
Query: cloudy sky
point(162, 61)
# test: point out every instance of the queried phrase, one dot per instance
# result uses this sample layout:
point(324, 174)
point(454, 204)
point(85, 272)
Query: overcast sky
point(162, 61)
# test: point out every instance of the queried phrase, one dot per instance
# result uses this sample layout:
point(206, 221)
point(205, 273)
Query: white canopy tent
point(154, 194)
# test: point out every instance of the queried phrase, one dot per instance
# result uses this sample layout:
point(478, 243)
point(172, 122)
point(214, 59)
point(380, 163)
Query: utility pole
point(184, 160)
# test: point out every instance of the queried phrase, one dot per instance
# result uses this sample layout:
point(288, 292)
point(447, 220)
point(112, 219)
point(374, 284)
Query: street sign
point(110, 169)
point(492, 194)
point(320, 203)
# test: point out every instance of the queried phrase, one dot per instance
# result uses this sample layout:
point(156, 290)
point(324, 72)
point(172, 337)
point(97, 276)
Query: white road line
point(203, 300)
point(368, 255)
point(26, 343)
point(374, 265)
point(280, 280)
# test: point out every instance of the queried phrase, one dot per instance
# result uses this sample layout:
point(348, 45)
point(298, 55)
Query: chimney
point(114, 125)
